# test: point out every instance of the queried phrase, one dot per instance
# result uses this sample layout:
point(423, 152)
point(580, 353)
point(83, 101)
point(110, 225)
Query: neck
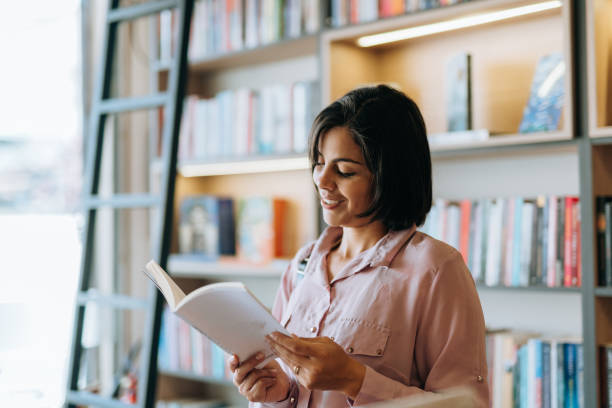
point(356, 240)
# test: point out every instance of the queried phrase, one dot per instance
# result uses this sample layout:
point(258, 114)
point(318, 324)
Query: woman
point(377, 309)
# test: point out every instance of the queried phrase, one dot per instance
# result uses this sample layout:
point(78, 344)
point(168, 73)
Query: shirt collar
point(381, 254)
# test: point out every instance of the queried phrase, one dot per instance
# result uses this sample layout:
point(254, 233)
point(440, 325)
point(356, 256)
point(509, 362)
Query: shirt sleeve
point(450, 344)
point(278, 309)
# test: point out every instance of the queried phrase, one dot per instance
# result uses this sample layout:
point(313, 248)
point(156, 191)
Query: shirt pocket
point(360, 337)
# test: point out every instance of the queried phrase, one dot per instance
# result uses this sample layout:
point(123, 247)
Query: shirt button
point(479, 378)
point(379, 352)
point(350, 349)
point(292, 400)
point(332, 338)
point(313, 329)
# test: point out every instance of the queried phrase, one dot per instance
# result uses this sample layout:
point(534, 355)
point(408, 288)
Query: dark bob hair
point(389, 129)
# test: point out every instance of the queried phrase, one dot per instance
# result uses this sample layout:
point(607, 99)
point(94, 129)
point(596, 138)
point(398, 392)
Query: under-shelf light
point(243, 167)
point(455, 24)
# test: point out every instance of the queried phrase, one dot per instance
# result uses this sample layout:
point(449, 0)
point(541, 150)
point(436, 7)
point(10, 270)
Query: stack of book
point(184, 349)
point(513, 241)
point(254, 228)
point(237, 123)
point(345, 12)
point(526, 370)
point(221, 26)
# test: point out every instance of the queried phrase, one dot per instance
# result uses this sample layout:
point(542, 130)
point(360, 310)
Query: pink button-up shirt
point(406, 308)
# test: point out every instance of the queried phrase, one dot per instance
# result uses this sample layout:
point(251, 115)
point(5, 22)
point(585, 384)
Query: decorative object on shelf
point(459, 93)
point(543, 109)
point(260, 228)
point(513, 241)
point(206, 227)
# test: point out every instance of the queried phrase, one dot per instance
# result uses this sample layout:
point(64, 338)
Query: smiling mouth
point(330, 202)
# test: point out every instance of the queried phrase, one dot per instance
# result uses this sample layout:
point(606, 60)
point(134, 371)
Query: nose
point(322, 177)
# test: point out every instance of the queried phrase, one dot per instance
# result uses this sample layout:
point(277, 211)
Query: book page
point(165, 284)
point(229, 315)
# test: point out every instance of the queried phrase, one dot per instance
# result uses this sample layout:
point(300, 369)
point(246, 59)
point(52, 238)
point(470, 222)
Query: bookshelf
point(505, 54)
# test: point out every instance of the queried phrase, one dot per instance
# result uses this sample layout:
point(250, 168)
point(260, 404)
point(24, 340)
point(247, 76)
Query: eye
point(347, 174)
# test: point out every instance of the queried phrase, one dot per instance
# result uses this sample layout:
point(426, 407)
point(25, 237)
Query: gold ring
point(296, 370)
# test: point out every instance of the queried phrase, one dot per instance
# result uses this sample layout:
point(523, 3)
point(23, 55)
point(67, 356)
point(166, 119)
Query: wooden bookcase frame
point(579, 128)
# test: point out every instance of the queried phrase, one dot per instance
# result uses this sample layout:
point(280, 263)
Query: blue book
point(543, 109)
point(571, 397)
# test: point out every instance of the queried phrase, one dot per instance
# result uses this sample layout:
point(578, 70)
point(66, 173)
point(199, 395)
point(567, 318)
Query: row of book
point(253, 228)
point(529, 371)
point(513, 241)
point(603, 208)
point(183, 348)
point(192, 403)
point(271, 120)
point(345, 12)
point(220, 26)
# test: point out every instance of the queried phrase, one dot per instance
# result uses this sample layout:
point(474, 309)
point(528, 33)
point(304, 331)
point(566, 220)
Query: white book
point(227, 313)
point(453, 222)
point(492, 275)
point(526, 241)
point(476, 260)
point(551, 242)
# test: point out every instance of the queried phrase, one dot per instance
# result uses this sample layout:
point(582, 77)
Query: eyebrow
point(343, 159)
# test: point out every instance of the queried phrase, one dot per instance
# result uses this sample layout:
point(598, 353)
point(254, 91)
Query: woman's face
point(343, 180)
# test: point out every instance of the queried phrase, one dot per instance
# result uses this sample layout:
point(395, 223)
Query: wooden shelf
point(600, 133)
point(196, 377)
point(246, 165)
point(501, 76)
point(183, 267)
point(281, 50)
point(529, 289)
point(603, 291)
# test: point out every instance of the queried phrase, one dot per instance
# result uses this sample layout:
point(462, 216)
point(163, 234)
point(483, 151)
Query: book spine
point(464, 231)
point(546, 375)
point(608, 243)
point(608, 370)
point(516, 252)
point(552, 242)
point(567, 243)
point(560, 242)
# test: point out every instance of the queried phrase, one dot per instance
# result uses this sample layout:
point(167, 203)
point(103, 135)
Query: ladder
point(102, 106)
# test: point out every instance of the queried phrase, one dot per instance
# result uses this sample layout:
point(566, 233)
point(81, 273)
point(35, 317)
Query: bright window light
point(455, 24)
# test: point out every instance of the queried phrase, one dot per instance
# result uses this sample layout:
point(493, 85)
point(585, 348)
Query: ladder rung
point(118, 105)
point(114, 301)
point(88, 398)
point(139, 10)
point(124, 201)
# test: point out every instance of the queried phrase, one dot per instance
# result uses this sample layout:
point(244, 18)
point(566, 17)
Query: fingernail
point(259, 356)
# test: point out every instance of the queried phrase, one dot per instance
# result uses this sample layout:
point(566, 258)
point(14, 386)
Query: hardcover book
point(543, 109)
point(206, 227)
point(458, 93)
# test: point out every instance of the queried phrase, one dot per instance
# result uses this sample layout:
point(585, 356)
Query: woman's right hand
point(267, 384)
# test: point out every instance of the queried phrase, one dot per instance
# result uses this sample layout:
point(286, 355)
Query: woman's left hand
point(319, 363)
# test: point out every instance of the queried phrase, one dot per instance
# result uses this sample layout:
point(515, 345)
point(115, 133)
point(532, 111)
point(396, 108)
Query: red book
point(569, 243)
point(354, 10)
point(576, 268)
point(464, 230)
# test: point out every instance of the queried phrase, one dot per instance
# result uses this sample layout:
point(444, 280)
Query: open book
point(227, 313)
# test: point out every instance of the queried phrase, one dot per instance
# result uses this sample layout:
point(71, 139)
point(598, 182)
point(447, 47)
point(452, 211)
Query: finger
point(233, 362)
point(294, 344)
point(289, 357)
point(260, 389)
point(247, 366)
point(255, 376)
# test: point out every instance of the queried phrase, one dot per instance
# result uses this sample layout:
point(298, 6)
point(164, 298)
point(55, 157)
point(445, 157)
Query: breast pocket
point(363, 338)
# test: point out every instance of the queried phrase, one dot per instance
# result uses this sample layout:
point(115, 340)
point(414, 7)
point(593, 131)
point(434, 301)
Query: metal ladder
point(103, 105)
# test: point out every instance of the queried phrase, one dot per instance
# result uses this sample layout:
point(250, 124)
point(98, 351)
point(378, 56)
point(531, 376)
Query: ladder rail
point(172, 122)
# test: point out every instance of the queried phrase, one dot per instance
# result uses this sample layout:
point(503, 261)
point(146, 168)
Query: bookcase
point(573, 160)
